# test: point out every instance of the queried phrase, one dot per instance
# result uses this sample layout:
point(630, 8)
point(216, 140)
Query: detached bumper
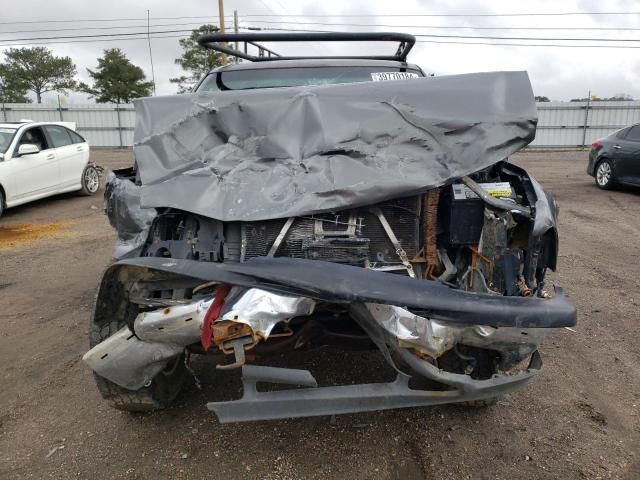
point(336, 283)
point(313, 401)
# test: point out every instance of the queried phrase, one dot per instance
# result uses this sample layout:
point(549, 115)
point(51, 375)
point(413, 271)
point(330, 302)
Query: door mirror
point(27, 149)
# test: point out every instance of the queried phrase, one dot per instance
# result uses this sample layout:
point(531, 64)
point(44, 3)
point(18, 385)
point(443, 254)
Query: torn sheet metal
point(131, 221)
point(430, 336)
point(263, 310)
point(434, 337)
point(129, 362)
point(303, 150)
point(181, 324)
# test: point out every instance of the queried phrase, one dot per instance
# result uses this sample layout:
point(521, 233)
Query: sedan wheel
point(90, 180)
point(604, 175)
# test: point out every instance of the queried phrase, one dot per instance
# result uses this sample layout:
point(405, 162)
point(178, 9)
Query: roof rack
point(219, 42)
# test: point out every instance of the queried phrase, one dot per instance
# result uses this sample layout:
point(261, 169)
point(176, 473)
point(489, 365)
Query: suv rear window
point(299, 76)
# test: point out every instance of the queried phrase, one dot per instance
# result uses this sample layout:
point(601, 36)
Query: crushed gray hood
point(273, 153)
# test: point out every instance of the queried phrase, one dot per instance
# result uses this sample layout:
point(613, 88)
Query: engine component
point(352, 237)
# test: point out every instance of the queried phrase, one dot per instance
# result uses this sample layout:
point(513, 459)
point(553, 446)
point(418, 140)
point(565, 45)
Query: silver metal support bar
point(394, 240)
point(280, 237)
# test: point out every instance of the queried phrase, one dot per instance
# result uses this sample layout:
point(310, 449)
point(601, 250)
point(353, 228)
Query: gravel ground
point(580, 418)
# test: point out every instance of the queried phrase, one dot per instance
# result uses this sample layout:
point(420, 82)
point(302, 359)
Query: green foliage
point(542, 99)
point(116, 80)
point(38, 70)
point(196, 60)
point(618, 97)
point(11, 91)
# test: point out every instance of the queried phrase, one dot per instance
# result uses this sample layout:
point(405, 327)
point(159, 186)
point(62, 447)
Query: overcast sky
point(559, 73)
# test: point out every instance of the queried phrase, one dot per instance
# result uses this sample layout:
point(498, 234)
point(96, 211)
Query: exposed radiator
point(350, 236)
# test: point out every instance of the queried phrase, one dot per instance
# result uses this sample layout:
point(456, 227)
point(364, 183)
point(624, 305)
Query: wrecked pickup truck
point(290, 203)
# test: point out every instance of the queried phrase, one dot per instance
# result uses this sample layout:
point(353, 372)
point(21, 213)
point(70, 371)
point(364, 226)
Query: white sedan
point(42, 159)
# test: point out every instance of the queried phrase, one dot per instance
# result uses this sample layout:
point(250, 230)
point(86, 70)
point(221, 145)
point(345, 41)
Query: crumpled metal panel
point(132, 222)
point(129, 362)
point(181, 324)
point(263, 310)
point(303, 150)
point(434, 337)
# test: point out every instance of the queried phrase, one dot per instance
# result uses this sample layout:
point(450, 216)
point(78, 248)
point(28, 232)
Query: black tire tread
point(161, 392)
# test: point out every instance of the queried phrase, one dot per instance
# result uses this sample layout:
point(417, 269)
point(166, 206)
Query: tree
point(12, 92)
point(38, 70)
point(542, 99)
point(116, 80)
point(196, 60)
point(618, 97)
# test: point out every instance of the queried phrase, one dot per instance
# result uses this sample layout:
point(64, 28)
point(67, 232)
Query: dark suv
point(296, 203)
point(615, 160)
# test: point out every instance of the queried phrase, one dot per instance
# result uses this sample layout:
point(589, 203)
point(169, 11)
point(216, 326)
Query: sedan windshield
point(6, 134)
point(301, 76)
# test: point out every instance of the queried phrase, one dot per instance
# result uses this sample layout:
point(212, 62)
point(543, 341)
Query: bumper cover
point(333, 282)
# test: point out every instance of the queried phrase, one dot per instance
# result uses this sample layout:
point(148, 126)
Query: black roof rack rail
point(216, 41)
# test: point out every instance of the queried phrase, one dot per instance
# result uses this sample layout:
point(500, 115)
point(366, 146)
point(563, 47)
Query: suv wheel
point(1, 202)
point(162, 390)
point(604, 175)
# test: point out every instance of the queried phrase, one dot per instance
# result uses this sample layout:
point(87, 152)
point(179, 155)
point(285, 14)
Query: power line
point(153, 25)
point(449, 14)
point(492, 37)
point(424, 35)
point(141, 19)
point(122, 34)
point(465, 43)
point(200, 17)
point(91, 41)
point(448, 27)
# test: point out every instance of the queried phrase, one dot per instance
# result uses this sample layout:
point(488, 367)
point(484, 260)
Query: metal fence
point(560, 124)
point(578, 124)
point(103, 125)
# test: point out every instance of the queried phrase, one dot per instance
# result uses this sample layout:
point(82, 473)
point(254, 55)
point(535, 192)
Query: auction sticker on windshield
point(383, 76)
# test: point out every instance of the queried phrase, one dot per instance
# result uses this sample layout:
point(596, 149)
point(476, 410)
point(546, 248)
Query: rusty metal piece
point(525, 291)
point(237, 347)
point(430, 201)
point(476, 259)
point(225, 331)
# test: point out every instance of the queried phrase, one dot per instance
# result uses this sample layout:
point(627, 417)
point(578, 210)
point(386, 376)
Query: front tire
point(90, 180)
point(1, 202)
point(604, 175)
point(162, 390)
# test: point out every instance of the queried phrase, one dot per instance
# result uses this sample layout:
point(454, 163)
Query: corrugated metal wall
point(577, 124)
point(560, 124)
point(103, 125)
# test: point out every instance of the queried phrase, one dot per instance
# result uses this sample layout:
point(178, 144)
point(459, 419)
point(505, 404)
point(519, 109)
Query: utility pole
point(235, 29)
point(221, 14)
point(153, 74)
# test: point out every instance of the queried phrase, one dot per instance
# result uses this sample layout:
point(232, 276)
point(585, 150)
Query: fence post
point(586, 120)
point(4, 112)
point(119, 124)
point(60, 109)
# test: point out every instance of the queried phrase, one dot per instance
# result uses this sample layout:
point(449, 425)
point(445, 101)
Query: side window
point(59, 136)
point(34, 136)
point(623, 133)
point(75, 138)
point(634, 134)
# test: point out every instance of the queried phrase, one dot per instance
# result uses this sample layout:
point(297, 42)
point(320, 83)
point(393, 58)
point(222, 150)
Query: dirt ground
point(580, 418)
